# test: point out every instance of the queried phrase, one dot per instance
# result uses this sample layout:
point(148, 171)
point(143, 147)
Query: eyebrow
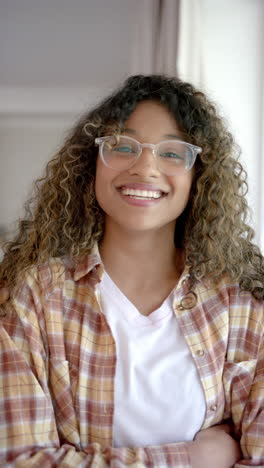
point(128, 130)
point(172, 135)
point(168, 135)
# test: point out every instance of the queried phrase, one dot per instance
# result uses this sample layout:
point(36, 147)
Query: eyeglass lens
point(121, 153)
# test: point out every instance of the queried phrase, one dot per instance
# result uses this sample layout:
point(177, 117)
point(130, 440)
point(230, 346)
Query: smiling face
point(141, 197)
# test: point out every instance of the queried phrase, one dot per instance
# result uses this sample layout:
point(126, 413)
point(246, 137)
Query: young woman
point(135, 322)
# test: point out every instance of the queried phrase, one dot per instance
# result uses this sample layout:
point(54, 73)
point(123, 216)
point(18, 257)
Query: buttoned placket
point(184, 304)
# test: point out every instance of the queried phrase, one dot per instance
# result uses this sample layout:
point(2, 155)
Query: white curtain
point(168, 39)
point(190, 49)
point(156, 37)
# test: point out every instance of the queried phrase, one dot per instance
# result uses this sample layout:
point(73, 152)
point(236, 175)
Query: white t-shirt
point(158, 394)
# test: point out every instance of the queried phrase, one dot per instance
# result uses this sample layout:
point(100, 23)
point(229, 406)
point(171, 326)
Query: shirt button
point(213, 408)
point(200, 352)
point(189, 300)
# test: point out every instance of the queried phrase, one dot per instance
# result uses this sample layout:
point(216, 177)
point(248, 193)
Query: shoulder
point(61, 272)
point(226, 296)
point(56, 274)
point(240, 301)
point(225, 289)
point(245, 317)
point(47, 275)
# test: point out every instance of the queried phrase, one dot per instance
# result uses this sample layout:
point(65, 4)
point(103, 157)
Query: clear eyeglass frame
point(171, 168)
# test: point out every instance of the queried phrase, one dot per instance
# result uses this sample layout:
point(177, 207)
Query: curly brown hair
point(63, 217)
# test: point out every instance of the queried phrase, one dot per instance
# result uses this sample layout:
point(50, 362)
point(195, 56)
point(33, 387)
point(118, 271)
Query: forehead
point(151, 116)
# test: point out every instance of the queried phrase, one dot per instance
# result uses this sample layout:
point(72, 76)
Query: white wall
point(71, 43)
point(26, 145)
point(33, 124)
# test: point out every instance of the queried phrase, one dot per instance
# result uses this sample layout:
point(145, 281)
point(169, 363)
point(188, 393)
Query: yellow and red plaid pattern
point(58, 357)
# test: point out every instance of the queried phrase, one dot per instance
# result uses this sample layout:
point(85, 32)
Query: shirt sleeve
point(29, 433)
point(243, 377)
point(252, 439)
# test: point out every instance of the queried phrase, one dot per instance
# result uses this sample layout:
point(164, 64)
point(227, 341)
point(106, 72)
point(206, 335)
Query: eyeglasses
point(121, 152)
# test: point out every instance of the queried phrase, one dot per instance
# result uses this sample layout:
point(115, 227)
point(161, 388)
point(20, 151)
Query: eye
point(123, 149)
point(173, 152)
point(171, 155)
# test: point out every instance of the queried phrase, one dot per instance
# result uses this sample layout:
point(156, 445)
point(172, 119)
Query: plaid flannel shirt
point(58, 361)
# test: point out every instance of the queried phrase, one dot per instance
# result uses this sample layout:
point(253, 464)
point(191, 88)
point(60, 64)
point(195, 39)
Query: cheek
point(187, 183)
point(182, 190)
point(189, 186)
point(182, 184)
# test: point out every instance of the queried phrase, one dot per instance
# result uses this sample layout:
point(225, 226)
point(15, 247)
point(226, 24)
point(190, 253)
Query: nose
point(145, 165)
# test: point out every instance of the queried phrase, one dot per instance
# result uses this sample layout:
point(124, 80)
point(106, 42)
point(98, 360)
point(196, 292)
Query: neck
point(141, 256)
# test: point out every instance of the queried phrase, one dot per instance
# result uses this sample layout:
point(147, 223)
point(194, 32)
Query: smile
point(142, 194)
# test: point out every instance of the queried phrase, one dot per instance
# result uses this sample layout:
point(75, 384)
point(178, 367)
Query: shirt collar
point(93, 262)
point(88, 263)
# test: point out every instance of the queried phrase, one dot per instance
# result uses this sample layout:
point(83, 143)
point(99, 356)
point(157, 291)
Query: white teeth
point(141, 193)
